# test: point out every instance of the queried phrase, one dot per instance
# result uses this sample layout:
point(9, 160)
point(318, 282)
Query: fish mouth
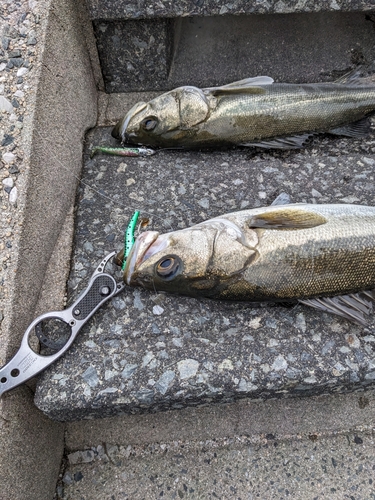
point(145, 246)
point(119, 130)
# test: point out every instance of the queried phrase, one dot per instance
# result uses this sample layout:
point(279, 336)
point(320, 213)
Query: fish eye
point(149, 123)
point(168, 267)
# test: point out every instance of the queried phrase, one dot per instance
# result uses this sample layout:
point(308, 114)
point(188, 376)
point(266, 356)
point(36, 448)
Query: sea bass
point(251, 112)
point(311, 253)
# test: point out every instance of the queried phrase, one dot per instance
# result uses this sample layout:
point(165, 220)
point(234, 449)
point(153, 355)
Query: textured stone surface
point(283, 418)
point(314, 467)
point(130, 359)
point(134, 55)
point(204, 51)
point(43, 62)
point(137, 9)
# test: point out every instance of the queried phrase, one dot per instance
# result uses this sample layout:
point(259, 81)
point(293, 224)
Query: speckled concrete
point(147, 351)
point(43, 57)
point(138, 9)
point(317, 447)
point(311, 468)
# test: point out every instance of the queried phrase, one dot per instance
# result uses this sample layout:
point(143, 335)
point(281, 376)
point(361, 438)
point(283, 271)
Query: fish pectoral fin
point(358, 129)
point(355, 307)
point(291, 142)
point(247, 85)
point(286, 218)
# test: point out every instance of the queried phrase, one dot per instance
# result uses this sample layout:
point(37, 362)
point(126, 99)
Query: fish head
point(197, 261)
point(166, 121)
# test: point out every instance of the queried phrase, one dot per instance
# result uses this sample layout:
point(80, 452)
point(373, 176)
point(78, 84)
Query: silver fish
point(251, 112)
point(321, 255)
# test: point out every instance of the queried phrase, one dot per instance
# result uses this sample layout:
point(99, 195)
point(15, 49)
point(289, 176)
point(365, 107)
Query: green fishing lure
point(129, 236)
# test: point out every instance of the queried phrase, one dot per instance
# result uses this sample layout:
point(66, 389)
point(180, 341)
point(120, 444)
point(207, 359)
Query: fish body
point(251, 112)
point(277, 253)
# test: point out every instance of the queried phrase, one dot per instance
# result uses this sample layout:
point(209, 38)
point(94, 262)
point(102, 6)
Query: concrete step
point(335, 467)
point(164, 53)
point(135, 357)
point(319, 447)
point(134, 9)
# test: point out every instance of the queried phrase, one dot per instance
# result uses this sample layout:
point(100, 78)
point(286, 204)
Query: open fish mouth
point(145, 246)
point(120, 130)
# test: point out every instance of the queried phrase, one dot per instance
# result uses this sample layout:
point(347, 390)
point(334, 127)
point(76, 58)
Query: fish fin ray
point(360, 128)
point(256, 80)
point(291, 142)
point(353, 77)
point(247, 85)
point(281, 199)
point(252, 89)
point(286, 218)
point(355, 307)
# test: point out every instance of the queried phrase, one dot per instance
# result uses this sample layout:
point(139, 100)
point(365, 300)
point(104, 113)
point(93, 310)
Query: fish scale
point(285, 110)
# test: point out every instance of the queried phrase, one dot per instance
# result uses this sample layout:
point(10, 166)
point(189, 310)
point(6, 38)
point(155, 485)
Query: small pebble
point(158, 310)
point(8, 157)
point(13, 169)
point(8, 139)
point(22, 71)
point(13, 195)
point(31, 40)
point(8, 182)
point(5, 42)
point(14, 53)
point(5, 105)
point(187, 368)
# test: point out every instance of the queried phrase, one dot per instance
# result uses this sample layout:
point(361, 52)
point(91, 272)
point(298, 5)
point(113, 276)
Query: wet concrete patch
point(146, 351)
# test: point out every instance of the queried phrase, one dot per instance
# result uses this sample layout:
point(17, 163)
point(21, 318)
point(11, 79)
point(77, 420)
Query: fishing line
point(95, 190)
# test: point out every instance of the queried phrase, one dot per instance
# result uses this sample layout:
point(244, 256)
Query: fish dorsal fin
point(291, 142)
point(354, 307)
point(245, 82)
point(247, 85)
point(193, 107)
point(286, 217)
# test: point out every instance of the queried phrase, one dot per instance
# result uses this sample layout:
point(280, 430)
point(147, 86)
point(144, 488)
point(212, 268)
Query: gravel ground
point(18, 51)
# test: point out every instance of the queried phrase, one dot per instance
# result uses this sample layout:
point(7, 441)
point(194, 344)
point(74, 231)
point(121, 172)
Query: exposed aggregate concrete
point(124, 9)
point(314, 467)
point(17, 59)
point(147, 351)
